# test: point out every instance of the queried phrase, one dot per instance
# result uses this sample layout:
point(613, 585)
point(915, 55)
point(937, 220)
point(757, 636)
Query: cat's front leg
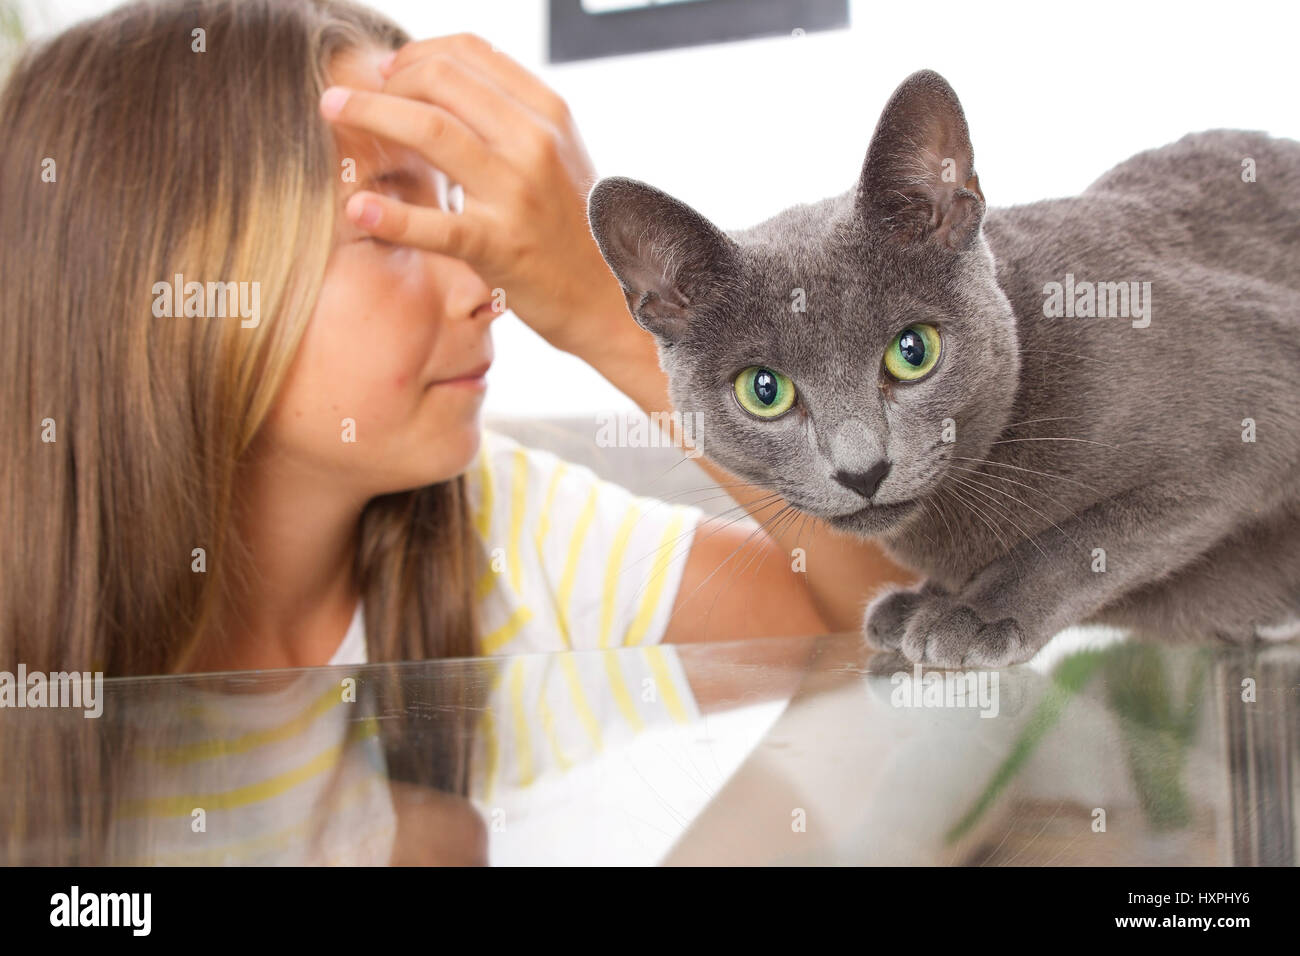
point(1009, 609)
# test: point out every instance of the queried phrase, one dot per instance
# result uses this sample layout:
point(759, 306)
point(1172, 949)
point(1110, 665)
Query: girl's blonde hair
point(164, 139)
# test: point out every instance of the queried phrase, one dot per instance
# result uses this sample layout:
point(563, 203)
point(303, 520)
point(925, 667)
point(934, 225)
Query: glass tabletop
point(1103, 750)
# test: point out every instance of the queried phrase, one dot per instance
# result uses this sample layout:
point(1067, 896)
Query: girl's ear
point(918, 182)
point(670, 260)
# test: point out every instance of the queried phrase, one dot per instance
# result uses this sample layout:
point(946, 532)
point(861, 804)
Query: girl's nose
point(467, 295)
point(490, 308)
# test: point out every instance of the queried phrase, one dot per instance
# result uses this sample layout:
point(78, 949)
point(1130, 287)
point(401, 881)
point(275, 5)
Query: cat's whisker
point(926, 505)
point(709, 488)
point(1086, 441)
point(1023, 504)
point(756, 505)
point(938, 508)
point(1033, 421)
point(787, 519)
point(763, 527)
point(721, 565)
point(722, 516)
point(985, 474)
point(974, 508)
point(740, 517)
point(1044, 474)
point(991, 503)
point(1025, 535)
point(678, 496)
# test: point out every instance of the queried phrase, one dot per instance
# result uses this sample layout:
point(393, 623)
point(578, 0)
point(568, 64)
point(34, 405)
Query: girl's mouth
point(472, 378)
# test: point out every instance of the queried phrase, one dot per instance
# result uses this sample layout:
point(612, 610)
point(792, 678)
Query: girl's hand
point(510, 143)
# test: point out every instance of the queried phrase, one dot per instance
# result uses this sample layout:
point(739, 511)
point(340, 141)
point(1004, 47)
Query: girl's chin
point(458, 446)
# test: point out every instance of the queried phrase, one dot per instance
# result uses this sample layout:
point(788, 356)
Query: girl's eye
point(913, 352)
point(763, 392)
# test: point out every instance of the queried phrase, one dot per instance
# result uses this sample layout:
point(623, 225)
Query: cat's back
point(1208, 161)
point(1197, 212)
point(1227, 198)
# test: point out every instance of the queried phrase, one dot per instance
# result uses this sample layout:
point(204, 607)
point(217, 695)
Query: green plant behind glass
point(1156, 731)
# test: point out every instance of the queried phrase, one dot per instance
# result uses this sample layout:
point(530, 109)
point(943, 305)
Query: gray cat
point(1078, 410)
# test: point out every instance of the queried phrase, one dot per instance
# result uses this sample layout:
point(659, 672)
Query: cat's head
point(846, 353)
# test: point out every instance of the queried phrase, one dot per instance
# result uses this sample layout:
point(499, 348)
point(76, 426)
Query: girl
point(242, 428)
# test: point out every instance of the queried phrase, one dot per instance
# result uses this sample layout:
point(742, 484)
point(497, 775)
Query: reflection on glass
point(774, 751)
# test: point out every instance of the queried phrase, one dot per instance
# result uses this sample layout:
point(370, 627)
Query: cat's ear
point(671, 262)
point(918, 182)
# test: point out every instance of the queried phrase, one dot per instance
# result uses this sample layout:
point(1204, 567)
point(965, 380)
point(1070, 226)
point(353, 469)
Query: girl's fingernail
point(386, 63)
point(364, 212)
point(332, 100)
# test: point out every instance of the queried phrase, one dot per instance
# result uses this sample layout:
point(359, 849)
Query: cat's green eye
point(764, 392)
point(913, 352)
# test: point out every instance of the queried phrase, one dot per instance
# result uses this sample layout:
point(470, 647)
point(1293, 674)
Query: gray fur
point(1071, 434)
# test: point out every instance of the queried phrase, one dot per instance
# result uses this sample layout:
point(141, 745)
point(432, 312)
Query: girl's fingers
point(466, 93)
point(433, 132)
point(512, 78)
point(451, 234)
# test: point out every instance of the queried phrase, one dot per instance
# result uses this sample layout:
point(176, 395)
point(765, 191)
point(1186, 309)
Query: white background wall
point(1054, 96)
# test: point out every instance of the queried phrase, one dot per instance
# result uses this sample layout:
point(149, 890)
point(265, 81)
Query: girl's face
point(385, 391)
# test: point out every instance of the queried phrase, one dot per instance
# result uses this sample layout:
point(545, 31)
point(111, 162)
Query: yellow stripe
point(612, 568)
point(486, 583)
point(487, 732)
point(570, 575)
point(487, 729)
point(504, 634)
point(667, 689)
point(253, 793)
point(523, 743)
point(518, 499)
point(483, 519)
point(580, 705)
point(543, 529)
point(622, 696)
point(279, 839)
point(654, 587)
point(544, 520)
point(206, 749)
point(548, 725)
point(548, 722)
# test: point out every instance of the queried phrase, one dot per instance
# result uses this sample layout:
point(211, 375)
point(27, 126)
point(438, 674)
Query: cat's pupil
point(912, 347)
point(765, 387)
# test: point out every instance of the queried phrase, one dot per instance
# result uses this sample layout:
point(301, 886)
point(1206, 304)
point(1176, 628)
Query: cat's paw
point(930, 627)
point(886, 618)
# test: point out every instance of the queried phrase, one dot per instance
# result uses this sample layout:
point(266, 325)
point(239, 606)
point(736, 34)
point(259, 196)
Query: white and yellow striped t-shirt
point(297, 776)
point(574, 562)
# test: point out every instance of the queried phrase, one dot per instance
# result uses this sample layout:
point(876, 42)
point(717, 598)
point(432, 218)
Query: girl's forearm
point(841, 572)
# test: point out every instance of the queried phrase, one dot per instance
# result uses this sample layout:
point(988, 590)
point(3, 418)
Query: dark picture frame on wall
point(587, 29)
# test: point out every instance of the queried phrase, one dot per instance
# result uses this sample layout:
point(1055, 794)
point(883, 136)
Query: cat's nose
point(866, 482)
